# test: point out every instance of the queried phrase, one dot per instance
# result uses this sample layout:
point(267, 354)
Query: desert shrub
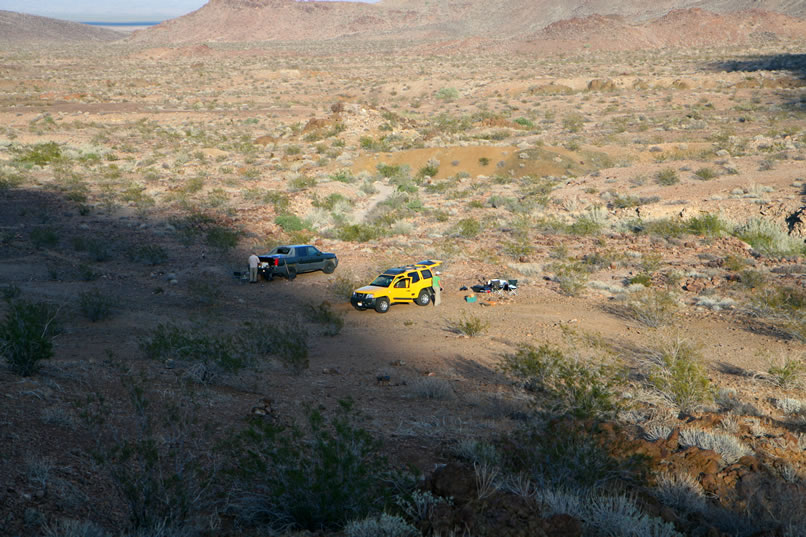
point(10, 292)
point(604, 514)
point(585, 225)
point(204, 292)
point(73, 528)
point(385, 525)
point(320, 476)
point(468, 325)
point(727, 445)
point(40, 154)
point(572, 277)
point(157, 469)
point(95, 306)
point(343, 176)
point(44, 237)
point(344, 284)
point(667, 177)
point(569, 383)
point(26, 335)
point(147, 254)
point(290, 222)
point(652, 307)
point(324, 315)
point(665, 227)
point(447, 94)
point(706, 174)
point(287, 342)
point(223, 238)
point(468, 228)
point(562, 454)
point(99, 250)
point(430, 169)
point(573, 122)
point(678, 373)
point(359, 232)
point(787, 371)
point(709, 225)
point(432, 388)
point(769, 239)
point(171, 342)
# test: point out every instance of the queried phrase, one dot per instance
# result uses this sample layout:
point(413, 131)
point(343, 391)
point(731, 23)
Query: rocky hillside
point(17, 27)
point(290, 20)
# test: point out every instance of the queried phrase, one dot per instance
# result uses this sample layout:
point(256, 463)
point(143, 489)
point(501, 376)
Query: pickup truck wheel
point(329, 267)
point(291, 273)
point(424, 298)
point(382, 305)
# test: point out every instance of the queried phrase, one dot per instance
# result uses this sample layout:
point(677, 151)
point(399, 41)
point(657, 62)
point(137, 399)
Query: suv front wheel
point(382, 305)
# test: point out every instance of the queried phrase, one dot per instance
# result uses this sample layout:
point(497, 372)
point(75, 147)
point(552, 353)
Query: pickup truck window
point(383, 280)
point(284, 250)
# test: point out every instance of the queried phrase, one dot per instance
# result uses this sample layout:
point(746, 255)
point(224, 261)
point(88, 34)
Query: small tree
point(26, 335)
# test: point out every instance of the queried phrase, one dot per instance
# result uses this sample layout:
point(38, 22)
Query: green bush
point(572, 277)
point(667, 177)
point(147, 254)
point(652, 307)
point(44, 237)
point(708, 225)
point(788, 372)
point(706, 174)
point(385, 525)
point(223, 238)
point(469, 325)
point(468, 228)
point(290, 222)
point(447, 94)
point(359, 232)
point(171, 342)
point(678, 373)
point(572, 384)
point(95, 306)
point(317, 477)
point(40, 154)
point(769, 239)
point(324, 315)
point(26, 335)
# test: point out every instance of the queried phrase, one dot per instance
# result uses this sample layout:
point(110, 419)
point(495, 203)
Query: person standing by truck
point(436, 285)
point(254, 260)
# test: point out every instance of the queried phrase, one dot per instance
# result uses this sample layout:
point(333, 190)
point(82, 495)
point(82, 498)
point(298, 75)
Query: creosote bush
point(678, 373)
point(26, 335)
point(469, 325)
point(319, 476)
point(568, 382)
point(652, 307)
point(95, 306)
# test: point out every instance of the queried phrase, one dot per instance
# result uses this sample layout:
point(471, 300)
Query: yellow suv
point(411, 283)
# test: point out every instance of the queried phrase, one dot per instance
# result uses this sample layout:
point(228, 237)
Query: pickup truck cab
point(398, 285)
point(294, 259)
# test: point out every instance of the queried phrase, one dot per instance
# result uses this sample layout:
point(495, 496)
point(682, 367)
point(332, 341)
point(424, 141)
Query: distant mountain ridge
point(290, 20)
point(19, 27)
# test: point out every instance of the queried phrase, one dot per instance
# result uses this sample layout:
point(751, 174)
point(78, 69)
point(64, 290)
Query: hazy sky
point(107, 11)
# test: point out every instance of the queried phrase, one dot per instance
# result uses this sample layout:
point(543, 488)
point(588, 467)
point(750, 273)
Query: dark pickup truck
point(291, 260)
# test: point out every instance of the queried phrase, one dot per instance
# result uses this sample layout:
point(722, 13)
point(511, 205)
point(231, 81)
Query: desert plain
point(645, 378)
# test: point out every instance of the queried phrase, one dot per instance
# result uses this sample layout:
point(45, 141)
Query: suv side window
point(415, 277)
point(427, 274)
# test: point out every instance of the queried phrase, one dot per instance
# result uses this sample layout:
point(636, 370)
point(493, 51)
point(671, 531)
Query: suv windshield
point(383, 280)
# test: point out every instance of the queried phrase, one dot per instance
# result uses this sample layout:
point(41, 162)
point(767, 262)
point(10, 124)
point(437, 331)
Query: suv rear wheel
point(424, 298)
point(382, 305)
